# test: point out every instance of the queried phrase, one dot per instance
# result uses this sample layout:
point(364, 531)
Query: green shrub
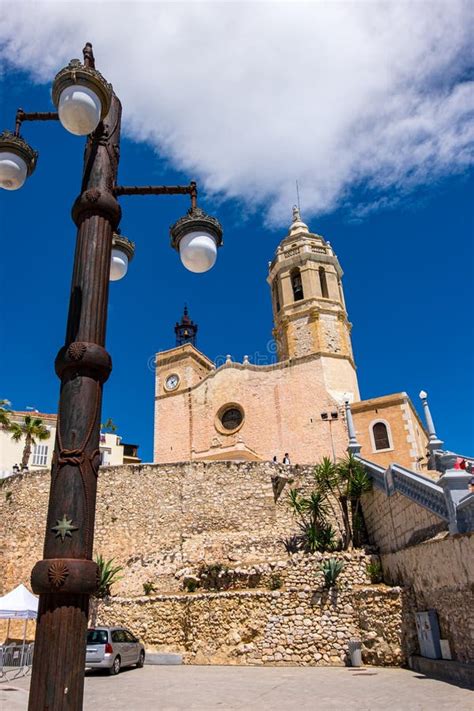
point(275, 581)
point(190, 585)
point(213, 576)
point(374, 571)
point(332, 568)
point(149, 587)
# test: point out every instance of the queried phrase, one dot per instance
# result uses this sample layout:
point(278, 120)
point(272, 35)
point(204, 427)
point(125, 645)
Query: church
point(296, 406)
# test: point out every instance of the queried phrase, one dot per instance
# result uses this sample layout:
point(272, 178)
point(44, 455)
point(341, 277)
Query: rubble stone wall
point(303, 623)
point(156, 520)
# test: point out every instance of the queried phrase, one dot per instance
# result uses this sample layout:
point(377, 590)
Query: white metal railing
point(15, 660)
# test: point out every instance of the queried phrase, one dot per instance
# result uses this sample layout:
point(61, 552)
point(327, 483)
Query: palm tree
point(346, 480)
point(357, 483)
point(316, 533)
point(33, 430)
point(5, 414)
point(109, 425)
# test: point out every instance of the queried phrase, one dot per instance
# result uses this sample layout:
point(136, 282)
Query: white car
point(113, 648)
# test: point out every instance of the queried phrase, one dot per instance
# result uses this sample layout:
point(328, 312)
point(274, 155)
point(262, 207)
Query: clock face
point(172, 382)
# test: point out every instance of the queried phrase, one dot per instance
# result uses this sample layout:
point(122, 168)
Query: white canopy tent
point(19, 604)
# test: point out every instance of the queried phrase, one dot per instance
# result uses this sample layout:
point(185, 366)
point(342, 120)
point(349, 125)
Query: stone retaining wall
point(396, 522)
point(439, 574)
point(158, 519)
point(303, 623)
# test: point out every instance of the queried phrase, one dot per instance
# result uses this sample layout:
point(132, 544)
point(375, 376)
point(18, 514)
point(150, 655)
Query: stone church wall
point(282, 405)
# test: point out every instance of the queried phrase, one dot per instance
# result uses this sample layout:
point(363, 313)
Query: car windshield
point(96, 636)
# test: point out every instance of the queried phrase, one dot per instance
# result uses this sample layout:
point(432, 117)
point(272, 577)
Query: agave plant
point(108, 575)
point(331, 568)
point(292, 544)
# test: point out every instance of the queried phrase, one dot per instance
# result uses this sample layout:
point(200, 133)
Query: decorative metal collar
point(194, 220)
point(124, 245)
point(15, 144)
point(78, 73)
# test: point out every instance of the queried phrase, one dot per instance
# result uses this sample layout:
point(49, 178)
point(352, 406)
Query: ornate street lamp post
point(68, 576)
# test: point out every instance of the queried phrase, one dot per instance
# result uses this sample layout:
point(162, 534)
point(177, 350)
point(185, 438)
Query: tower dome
point(297, 225)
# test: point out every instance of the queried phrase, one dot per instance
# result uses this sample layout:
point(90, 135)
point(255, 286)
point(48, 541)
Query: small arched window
point(381, 436)
point(297, 285)
point(324, 283)
point(276, 296)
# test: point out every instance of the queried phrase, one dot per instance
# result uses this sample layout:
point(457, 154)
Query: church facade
point(243, 411)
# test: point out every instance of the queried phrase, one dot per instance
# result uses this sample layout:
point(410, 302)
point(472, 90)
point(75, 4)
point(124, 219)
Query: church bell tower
point(309, 311)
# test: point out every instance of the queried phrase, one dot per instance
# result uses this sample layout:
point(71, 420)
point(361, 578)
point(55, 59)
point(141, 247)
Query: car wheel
point(115, 668)
point(141, 660)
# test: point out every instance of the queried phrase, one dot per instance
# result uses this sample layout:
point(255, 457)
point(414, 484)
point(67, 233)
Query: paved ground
point(192, 688)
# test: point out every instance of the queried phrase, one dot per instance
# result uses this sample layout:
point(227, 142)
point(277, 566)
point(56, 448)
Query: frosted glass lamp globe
point(198, 251)
point(118, 265)
point(79, 109)
point(13, 171)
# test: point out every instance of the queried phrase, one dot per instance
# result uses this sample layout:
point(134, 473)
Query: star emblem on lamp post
point(64, 527)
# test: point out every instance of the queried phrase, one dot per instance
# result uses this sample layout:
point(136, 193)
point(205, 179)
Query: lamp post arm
point(33, 116)
point(190, 189)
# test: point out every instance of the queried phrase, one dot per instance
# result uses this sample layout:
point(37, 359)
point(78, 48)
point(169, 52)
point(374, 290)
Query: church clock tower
point(309, 311)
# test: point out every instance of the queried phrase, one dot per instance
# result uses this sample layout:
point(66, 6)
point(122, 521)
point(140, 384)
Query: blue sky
point(408, 279)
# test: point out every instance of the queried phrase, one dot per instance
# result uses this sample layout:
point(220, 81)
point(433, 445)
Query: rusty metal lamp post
point(67, 575)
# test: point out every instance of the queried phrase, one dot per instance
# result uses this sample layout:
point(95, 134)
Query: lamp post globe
point(198, 251)
point(196, 237)
point(118, 265)
point(17, 161)
point(79, 109)
point(122, 254)
point(13, 171)
point(82, 96)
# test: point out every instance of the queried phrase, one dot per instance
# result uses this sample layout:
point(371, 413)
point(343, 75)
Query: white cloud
point(248, 97)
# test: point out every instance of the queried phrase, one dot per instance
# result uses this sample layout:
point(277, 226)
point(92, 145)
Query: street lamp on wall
point(67, 575)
